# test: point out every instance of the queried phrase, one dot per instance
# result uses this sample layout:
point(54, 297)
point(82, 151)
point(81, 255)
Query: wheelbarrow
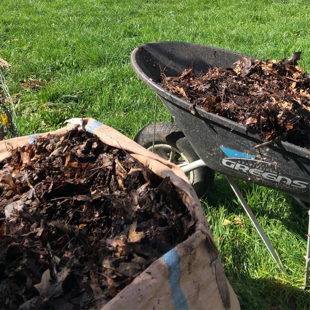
point(205, 142)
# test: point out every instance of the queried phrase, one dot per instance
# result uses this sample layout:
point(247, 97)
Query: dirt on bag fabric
point(271, 98)
point(79, 220)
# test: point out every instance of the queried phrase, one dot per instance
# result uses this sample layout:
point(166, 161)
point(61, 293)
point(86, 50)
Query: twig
point(59, 198)
point(53, 262)
point(232, 129)
point(263, 144)
point(34, 191)
point(223, 93)
point(291, 79)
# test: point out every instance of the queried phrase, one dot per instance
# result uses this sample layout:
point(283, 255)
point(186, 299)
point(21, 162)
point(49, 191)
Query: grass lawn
point(71, 58)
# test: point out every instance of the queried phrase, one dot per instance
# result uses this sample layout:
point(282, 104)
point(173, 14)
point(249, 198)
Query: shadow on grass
point(265, 292)
point(295, 219)
point(269, 294)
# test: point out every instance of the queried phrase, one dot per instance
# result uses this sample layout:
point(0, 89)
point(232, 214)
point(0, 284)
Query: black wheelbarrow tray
point(221, 144)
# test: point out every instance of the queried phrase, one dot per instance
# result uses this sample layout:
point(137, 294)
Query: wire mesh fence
point(7, 113)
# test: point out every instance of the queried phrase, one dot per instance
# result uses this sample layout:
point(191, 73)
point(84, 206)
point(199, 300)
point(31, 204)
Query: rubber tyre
point(169, 134)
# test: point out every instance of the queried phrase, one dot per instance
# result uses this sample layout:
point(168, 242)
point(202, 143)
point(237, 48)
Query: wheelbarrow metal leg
point(307, 257)
point(255, 222)
point(193, 165)
point(300, 202)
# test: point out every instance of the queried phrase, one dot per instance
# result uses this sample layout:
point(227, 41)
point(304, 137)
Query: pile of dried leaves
point(270, 97)
point(79, 221)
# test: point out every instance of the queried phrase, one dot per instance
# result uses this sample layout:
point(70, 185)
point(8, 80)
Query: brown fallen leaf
point(246, 66)
point(25, 158)
point(254, 93)
point(129, 269)
point(226, 222)
point(95, 213)
point(4, 64)
point(250, 120)
point(181, 91)
point(49, 287)
point(12, 209)
point(293, 60)
point(134, 236)
point(186, 72)
point(237, 220)
point(97, 291)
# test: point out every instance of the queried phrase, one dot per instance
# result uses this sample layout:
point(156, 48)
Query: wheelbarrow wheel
point(172, 145)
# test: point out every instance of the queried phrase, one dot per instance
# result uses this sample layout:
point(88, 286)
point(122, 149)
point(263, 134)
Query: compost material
point(271, 98)
point(79, 220)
